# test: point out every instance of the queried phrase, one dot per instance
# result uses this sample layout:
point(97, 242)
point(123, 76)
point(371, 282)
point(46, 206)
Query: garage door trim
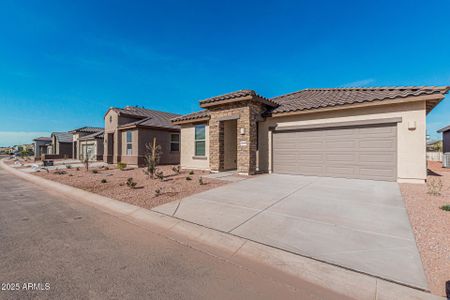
point(338, 124)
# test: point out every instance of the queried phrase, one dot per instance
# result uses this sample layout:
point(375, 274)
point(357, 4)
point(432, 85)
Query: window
point(200, 140)
point(110, 119)
point(174, 142)
point(129, 143)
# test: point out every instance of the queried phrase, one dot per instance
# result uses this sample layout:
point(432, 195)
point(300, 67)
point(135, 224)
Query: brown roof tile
point(235, 95)
point(192, 116)
point(309, 99)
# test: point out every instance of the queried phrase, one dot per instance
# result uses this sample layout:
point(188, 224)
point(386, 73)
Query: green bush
point(188, 178)
point(103, 181)
point(191, 172)
point(446, 207)
point(95, 171)
point(121, 166)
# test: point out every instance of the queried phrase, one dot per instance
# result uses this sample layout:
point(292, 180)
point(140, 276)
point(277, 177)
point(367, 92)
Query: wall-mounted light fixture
point(242, 130)
point(412, 125)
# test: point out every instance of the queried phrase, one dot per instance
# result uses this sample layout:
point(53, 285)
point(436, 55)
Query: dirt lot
point(174, 187)
point(431, 225)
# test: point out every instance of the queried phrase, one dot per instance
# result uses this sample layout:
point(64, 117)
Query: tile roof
point(95, 135)
point(147, 117)
point(140, 112)
point(309, 99)
point(234, 95)
point(63, 137)
point(192, 116)
point(87, 129)
point(43, 139)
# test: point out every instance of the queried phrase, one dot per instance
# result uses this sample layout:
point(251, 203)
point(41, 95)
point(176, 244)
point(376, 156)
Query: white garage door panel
point(368, 152)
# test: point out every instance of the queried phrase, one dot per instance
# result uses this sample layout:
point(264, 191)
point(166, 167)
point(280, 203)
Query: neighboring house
point(77, 134)
point(91, 146)
point(434, 146)
point(366, 133)
point(41, 145)
point(61, 144)
point(128, 130)
point(445, 138)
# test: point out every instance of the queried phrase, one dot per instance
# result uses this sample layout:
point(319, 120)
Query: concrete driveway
point(357, 224)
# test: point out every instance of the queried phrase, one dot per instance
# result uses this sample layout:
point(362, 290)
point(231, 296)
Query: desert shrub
point(176, 169)
point(69, 167)
point(159, 175)
point(191, 172)
point(152, 156)
point(103, 180)
point(78, 169)
point(445, 207)
point(95, 171)
point(188, 178)
point(121, 166)
point(106, 168)
point(200, 181)
point(434, 186)
point(60, 172)
point(131, 183)
point(157, 192)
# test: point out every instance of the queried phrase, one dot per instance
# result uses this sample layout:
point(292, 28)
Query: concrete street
point(358, 224)
point(84, 253)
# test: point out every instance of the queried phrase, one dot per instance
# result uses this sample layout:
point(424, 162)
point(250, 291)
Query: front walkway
point(357, 224)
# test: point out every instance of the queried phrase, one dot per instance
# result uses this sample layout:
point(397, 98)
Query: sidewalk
point(238, 250)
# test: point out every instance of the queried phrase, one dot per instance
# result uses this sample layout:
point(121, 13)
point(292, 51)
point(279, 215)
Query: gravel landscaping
point(147, 193)
point(431, 225)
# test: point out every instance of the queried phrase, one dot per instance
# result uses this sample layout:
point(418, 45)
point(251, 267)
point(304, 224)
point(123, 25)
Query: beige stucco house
point(91, 146)
point(77, 134)
point(366, 133)
point(128, 130)
point(61, 145)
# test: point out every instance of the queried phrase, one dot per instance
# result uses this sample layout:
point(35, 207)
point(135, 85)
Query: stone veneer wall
point(249, 113)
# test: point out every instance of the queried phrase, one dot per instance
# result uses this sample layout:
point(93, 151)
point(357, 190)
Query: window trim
point(172, 142)
point(199, 140)
point(129, 142)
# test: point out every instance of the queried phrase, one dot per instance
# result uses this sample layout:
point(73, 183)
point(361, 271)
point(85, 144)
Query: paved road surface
point(84, 253)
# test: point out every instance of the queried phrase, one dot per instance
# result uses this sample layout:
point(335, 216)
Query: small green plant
point(200, 181)
point(104, 180)
point(176, 169)
point(157, 192)
point(95, 171)
point(445, 207)
point(191, 172)
point(188, 178)
point(69, 167)
point(60, 172)
point(434, 186)
point(131, 183)
point(121, 166)
point(159, 175)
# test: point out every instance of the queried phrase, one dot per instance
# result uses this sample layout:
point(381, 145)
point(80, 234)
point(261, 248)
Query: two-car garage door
point(364, 152)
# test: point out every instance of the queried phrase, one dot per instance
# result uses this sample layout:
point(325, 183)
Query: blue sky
point(64, 63)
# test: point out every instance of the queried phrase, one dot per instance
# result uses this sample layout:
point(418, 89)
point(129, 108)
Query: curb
point(240, 251)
